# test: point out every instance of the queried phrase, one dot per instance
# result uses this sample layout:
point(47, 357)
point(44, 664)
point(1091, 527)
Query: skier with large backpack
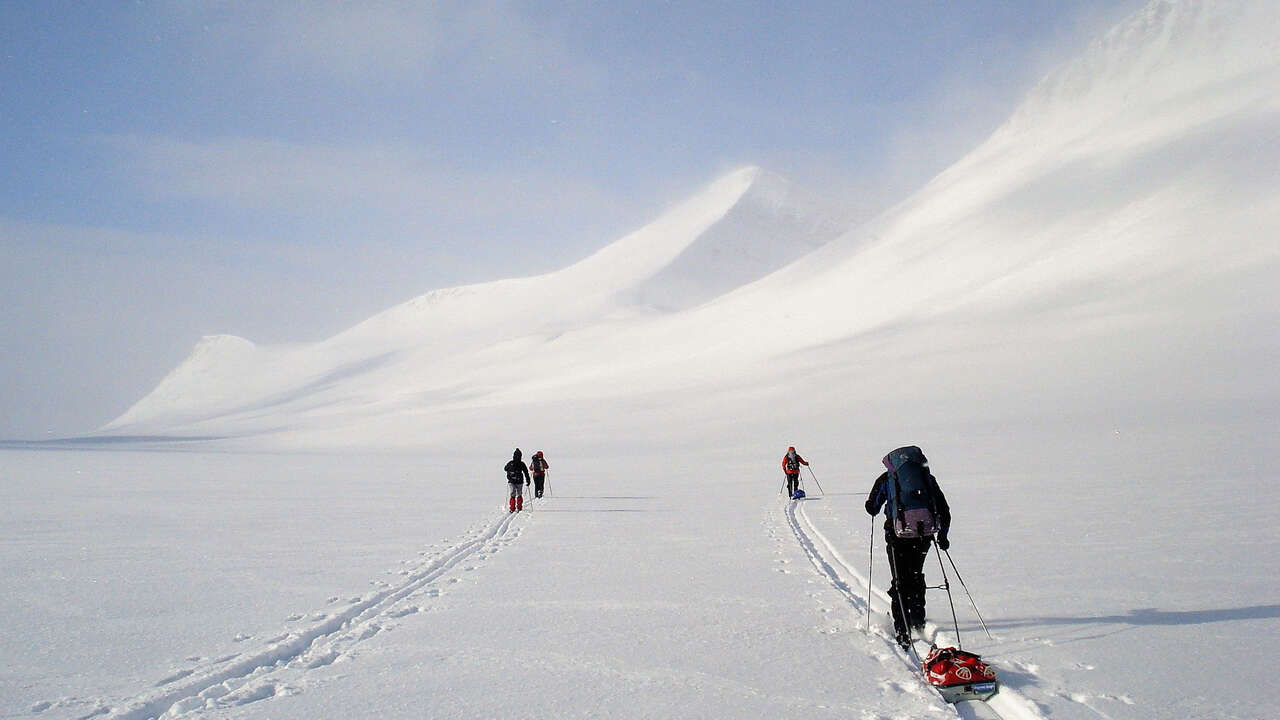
point(517, 478)
point(791, 463)
point(538, 465)
point(916, 515)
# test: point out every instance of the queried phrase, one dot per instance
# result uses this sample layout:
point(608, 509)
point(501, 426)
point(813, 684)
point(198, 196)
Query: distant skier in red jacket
point(791, 463)
point(538, 466)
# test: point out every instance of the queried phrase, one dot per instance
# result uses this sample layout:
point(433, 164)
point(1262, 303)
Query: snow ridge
point(202, 380)
point(771, 225)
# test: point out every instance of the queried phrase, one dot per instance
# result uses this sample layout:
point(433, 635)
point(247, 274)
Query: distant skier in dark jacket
point(538, 466)
point(907, 555)
point(791, 463)
point(517, 478)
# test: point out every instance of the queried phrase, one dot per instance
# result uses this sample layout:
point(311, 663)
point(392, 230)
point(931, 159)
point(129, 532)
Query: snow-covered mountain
point(741, 227)
point(1117, 233)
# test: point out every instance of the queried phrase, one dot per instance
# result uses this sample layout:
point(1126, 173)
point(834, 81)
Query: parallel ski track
point(314, 647)
point(853, 585)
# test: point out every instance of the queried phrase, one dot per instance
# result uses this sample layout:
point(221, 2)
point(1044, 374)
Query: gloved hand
point(943, 542)
point(871, 509)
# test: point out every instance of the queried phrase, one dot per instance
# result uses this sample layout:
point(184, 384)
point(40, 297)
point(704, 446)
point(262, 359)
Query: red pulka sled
point(959, 675)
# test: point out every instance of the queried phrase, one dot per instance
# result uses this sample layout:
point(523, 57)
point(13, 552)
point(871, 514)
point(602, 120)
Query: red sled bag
point(959, 675)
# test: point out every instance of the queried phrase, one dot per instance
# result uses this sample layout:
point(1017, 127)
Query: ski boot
point(903, 639)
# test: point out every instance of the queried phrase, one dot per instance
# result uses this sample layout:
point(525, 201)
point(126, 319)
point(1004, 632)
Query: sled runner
point(959, 675)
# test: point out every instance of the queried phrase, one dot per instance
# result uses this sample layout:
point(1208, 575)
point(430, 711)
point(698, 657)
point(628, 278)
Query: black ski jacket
point(515, 468)
point(879, 495)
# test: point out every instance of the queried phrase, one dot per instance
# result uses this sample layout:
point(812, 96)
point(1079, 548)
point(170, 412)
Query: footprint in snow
point(254, 694)
point(217, 691)
point(326, 658)
point(187, 705)
point(891, 687)
point(174, 677)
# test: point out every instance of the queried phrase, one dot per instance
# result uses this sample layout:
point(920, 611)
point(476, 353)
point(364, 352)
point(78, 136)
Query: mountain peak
point(201, 382)
point(1168, 49)
point(770, 224)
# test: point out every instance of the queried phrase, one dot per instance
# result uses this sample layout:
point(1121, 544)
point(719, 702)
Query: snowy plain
point(1086, 352)
point(239, 585)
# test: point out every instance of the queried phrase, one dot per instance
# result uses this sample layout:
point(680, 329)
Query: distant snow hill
point(1117, 240)
point(740, 228)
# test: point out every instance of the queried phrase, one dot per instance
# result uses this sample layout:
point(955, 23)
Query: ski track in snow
point(249, 677)
point(853, 585)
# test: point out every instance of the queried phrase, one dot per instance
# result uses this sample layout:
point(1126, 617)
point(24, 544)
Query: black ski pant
point(906, 592)
point(793, 483)
point(538, 480)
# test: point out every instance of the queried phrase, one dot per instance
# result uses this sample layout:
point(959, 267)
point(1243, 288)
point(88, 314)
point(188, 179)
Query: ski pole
point(946, 585)
point(966, 592)
point(871, 559)
point(815, 480)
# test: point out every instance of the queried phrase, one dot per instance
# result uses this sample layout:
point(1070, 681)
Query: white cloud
point(356, 41)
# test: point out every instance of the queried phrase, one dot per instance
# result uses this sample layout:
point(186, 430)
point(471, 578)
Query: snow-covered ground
point(1079, 322)
point(1120, 585)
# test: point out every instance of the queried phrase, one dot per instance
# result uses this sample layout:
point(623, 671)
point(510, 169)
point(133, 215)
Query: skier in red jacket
point(538, 466)
point(791, 463)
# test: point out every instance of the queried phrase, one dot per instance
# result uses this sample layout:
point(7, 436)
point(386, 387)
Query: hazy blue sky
point(283, 170)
